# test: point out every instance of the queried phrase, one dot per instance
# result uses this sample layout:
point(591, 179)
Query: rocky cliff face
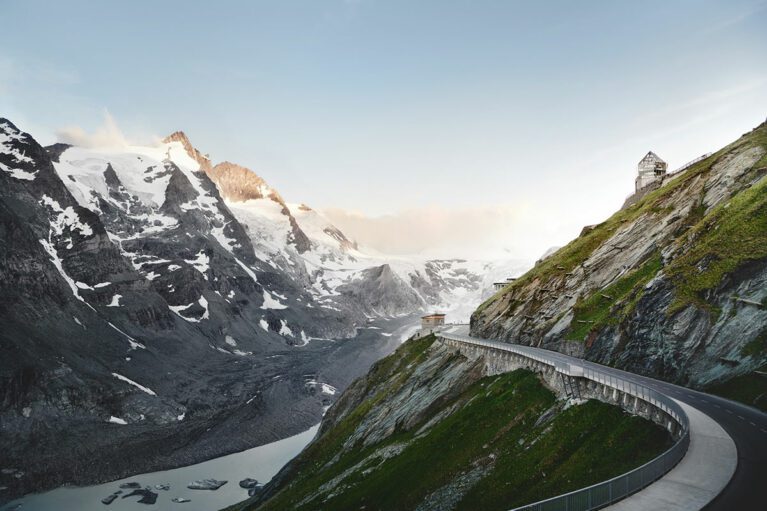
point(138, 328)
point(429, 428)
point(340, 275)
point(168, 218)
point(239, 184)
point(673, 286)
point(152, 302)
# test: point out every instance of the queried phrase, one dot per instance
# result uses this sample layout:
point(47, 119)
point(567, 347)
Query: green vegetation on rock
point(598, 310)
point(750, 389)
point(757, 347)
point(710, 245)
point(578, 251)
point(507, 434)
point(729, 236)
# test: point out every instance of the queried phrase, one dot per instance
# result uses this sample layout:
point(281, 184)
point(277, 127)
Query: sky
point(454, 128)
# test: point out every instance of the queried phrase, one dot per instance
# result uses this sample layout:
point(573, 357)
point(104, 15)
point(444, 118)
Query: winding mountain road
point(747, 426)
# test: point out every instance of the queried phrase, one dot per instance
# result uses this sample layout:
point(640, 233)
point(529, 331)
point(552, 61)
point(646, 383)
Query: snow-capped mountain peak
point(174, 187)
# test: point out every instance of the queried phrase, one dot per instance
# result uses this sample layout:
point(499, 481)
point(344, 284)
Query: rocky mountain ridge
point(673, 286)
point(339, 274)
point(144, 313)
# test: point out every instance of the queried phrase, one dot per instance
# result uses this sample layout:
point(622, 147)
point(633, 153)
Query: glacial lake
point(260, 463)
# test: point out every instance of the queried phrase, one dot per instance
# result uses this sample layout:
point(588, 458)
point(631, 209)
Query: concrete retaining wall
point(567, 385)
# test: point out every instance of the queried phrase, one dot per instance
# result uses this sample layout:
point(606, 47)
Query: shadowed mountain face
point(157, 310)
point(135, 316)
point(674, 285)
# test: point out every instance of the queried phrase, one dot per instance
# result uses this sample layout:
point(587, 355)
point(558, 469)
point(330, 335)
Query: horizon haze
point(444, 128)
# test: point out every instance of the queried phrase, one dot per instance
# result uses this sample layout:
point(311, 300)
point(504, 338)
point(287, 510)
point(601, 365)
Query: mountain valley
point(155, 302)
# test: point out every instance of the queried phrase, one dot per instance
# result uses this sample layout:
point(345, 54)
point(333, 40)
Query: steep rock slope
point(138, 328)
point(150, 320)
point(167, 216)
point(673, 286)
point(340, 275)
point(237, 183)
point(428, 429)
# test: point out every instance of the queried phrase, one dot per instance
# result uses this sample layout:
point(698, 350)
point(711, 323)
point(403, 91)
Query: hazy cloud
point(501, 231)
point(106, 135)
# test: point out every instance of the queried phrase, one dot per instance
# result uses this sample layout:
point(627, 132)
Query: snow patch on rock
point(137, 385)
point(272, 303)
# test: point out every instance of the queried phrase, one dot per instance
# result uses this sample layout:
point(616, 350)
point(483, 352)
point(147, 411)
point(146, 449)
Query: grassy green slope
point(493, 431)
point(586, 444)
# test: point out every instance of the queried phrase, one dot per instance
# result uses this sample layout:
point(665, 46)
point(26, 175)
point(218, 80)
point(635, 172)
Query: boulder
point(147, 495)
point(206, 484)
point(109, 499)
point(248, 483)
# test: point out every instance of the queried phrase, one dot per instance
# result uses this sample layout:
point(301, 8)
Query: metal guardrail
point(689, 164)
point(617, 488)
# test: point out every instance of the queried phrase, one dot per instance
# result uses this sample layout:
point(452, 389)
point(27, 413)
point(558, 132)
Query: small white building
point(650, 169)
point(431, 321)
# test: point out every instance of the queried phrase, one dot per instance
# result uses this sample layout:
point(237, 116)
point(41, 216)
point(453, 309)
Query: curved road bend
point(747, 490)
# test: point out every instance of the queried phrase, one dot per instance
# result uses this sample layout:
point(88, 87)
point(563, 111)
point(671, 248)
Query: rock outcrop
point(673, 286)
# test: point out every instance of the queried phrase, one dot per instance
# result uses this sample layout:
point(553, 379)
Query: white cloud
point(108, 134)
point(492, 232)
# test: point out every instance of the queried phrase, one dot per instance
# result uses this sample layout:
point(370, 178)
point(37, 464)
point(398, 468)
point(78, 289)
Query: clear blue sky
point(390, 107)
